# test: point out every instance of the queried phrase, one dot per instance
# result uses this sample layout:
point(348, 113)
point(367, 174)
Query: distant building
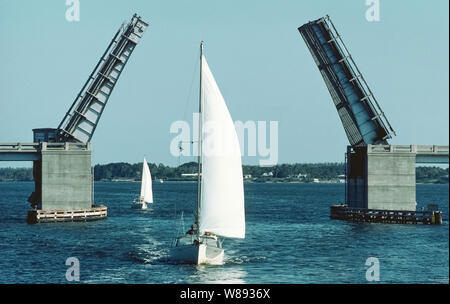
point(302, 175)
point(122, 180)
point(247, 176)
point(316, 180)
point(266, 174)
point(189, 174)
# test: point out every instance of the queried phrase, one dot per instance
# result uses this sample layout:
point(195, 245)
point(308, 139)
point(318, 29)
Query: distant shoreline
point(319, 173)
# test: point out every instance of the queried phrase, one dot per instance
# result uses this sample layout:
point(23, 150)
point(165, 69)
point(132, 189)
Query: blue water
point(290, 239)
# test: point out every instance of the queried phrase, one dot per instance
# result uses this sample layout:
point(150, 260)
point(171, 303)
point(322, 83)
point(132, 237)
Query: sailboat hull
point(197, 254)
point(139, 205)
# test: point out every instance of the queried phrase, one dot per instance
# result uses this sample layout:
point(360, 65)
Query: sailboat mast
point(199, 181)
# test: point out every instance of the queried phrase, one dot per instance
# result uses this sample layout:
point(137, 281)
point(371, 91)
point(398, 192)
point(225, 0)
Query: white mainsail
point(222, 188)
point(146, 184)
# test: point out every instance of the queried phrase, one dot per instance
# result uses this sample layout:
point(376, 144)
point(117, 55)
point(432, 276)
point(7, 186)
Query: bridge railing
point(44, 146)
point(64, 146)
point(25, 147)
point(418, 149)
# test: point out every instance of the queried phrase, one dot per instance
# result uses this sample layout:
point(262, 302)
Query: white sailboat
point(220, 205)
point(146, 189)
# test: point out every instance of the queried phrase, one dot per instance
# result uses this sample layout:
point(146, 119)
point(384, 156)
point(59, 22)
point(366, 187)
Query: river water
point(289, 239)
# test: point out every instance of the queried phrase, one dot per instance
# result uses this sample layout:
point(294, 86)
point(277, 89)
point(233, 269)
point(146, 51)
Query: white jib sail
point(146, 184)
point(222, 188)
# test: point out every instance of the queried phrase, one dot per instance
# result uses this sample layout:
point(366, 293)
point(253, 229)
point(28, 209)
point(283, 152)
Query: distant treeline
point(133, 171)
point(284, 172)
point(16, 174)
point(432, 175)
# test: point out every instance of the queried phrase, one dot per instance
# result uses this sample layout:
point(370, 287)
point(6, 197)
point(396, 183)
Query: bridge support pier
point(383, 177)
point(63, 184)
point(63, 178)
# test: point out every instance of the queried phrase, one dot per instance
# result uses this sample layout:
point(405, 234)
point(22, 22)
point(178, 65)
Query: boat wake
point(152, 253)
point(148, 257)
point(239, 260)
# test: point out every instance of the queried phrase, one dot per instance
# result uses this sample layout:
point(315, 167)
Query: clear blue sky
point(258, 57)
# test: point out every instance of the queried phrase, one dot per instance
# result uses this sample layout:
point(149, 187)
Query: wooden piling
point(46, 216)
point(427, 217)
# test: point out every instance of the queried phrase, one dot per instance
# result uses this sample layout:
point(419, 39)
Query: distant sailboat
point(146, 188)
point(220, 204)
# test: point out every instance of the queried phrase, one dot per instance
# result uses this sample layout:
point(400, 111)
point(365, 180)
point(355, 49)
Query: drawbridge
point(62, 156)
point(379, 175)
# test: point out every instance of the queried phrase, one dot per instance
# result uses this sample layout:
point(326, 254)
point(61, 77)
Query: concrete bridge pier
point(63, 180)
point(63, 184)
point(383, 177)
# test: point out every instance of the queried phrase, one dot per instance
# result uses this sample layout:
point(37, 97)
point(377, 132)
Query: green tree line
point(322, 171)
point(16, 174)
point(431, 175)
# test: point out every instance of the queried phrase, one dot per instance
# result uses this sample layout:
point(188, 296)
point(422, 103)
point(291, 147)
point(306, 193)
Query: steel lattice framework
point(363, 120)
point(83, 116)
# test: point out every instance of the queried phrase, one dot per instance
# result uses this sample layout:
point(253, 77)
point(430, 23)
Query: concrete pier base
point(381, 184)
point(63, 184)
point(383, 177)
point(428, 217)
point(63, 177)
point(391, 180)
